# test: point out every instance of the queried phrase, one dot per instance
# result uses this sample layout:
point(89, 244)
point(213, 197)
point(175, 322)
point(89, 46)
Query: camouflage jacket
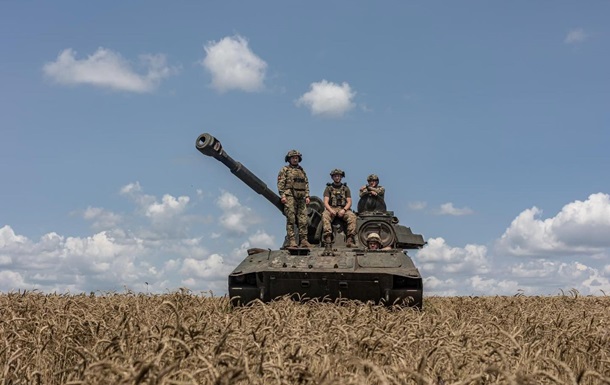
point(379, 190)
point(292, 181)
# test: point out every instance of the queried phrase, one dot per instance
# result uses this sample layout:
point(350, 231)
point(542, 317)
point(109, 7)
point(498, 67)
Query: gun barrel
point(210, 146)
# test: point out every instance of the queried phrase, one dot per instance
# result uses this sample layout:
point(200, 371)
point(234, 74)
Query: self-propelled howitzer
point(323, 272)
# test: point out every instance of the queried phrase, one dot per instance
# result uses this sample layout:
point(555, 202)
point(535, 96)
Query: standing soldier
point(337, 201)
point(293, 188)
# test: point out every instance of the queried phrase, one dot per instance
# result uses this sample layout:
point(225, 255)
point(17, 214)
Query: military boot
point(305, 244)
point(327, 241)
point(292, 244)
point(351, 242)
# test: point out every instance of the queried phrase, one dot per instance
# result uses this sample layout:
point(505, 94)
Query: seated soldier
point(337, 202)
point(372, 195)
point(373, 242)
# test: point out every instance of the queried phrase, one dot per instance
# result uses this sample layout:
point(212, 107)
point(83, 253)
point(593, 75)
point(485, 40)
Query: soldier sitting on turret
point(337, 201)
point(372, 195)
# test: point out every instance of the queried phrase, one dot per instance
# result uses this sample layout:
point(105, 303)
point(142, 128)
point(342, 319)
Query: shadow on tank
point(326, 273)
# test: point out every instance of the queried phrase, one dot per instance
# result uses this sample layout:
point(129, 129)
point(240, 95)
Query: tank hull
point(387, 277)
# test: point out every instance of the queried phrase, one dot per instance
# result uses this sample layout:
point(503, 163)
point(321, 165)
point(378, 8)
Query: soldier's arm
point(281, 184)
point(363, 191)
point(306, 185)
point(327, 204)
point(348, 199)
point(348, 204)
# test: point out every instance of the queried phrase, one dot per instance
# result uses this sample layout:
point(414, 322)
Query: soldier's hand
point(283, 200)
point(374, 193)
point(307, 200)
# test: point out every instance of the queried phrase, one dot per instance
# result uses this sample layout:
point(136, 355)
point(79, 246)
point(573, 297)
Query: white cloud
point(448, 209)
point(328, 99)
point(567, 251)
point(553, 276)
point(13, 281)
point(437, 256)
point(233, 65)
point(168, 207)
point(235, 217)
point(575, 36)
point(444, 287)
point(102, 219)
point(197, 268)
point(164, 215)
point(9, 238)
point(418, 205)
point(150, 249)
point(261, 239)
point(492, 286)
point(108, 69)
point(580, 228)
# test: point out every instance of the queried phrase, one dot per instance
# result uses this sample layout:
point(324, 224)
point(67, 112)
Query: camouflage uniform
point(368, 188)
point(380, 190)
point(293, 185)
point(372, 196)
point(337, 198)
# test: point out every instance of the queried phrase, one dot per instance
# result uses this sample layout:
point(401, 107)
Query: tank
point(325, 272)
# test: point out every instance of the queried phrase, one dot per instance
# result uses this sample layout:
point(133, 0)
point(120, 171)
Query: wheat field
point(187, 338)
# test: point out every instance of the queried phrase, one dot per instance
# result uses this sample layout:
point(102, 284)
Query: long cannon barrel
point(210, 146)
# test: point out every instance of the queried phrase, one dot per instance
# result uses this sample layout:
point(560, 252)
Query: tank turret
point(386, 275)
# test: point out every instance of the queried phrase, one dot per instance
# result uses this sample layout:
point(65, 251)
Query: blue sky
point(488, 124)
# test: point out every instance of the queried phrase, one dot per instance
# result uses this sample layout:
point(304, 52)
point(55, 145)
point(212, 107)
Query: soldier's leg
point(326, 223)
point(290, 213)
point(302, 219)
point(350, 218)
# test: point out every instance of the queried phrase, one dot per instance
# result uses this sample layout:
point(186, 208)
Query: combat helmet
point(292, 153)
point(373, 237)
point(337, 171)
point(372, 177)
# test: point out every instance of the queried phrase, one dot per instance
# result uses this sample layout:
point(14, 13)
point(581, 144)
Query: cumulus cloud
point(203, 268)
point(235, 218)
point(437, 256)
point(449, 209)
point(575, 36)
point(567, 251)
point(164, 215)
point(419, 205)
point(8, 237)
point(101, 219)
point(261, 239)
point(327, 99)
point(580, 228)
point(558, 275)
point(233, 65)
point(108, 69)
point(150, 249)
point(62, 263)
point(168, 207)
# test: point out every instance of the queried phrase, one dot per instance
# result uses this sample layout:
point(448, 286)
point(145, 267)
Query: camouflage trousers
point(349, 217)
point(295, 211)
